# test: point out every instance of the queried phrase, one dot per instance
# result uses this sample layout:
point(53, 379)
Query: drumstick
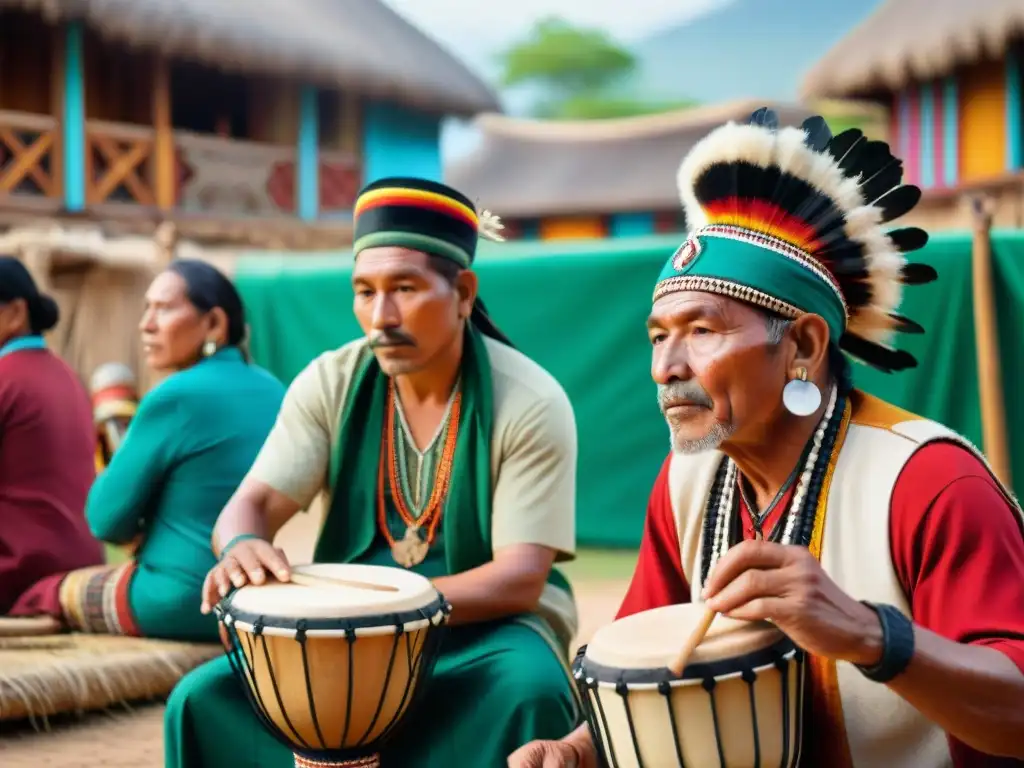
point(696, 637)
point(306, 580)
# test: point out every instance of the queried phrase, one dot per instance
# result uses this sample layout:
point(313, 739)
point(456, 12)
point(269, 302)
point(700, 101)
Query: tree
point(575, 70)
point(566, 62)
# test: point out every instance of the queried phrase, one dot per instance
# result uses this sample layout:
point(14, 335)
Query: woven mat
point(47, 675)
point(17, 626)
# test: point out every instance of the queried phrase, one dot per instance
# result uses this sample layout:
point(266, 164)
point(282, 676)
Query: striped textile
point(95, 600)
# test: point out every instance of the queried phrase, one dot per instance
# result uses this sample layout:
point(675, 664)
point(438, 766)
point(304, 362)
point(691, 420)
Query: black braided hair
point(711, 518)
point(817, 479)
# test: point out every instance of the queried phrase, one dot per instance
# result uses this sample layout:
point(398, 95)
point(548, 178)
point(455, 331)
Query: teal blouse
point(186, 451)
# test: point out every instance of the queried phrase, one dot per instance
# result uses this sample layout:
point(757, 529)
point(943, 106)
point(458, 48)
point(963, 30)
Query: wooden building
point(248, 123)
point(950, 73)
point(553, 180)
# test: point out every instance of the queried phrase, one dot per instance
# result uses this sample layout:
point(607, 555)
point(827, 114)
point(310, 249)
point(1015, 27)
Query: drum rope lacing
point(608, 758)
point(417, 665)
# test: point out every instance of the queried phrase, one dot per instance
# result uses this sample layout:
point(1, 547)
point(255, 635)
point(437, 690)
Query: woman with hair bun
point(47, 448)
point(186, 450)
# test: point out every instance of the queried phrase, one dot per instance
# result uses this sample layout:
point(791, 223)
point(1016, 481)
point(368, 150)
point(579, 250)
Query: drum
point(738, 703)
point(332, 670)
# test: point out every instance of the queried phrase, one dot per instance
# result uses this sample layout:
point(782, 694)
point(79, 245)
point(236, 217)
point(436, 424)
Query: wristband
point(897, 644)
point(239, 538)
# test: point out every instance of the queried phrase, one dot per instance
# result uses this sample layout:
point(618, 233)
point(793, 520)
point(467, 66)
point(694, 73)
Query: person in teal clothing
point(187, 449)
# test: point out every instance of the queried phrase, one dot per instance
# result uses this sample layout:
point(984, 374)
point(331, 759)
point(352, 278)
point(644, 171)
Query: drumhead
point(291, 601)
point(650, 640)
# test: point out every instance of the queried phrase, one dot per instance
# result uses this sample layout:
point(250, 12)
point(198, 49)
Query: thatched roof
point(360, 44)
point(912, 40)
point(528, 168)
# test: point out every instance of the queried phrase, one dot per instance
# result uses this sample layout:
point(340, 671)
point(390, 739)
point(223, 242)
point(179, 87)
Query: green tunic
point(495, 687)
point(193, 439)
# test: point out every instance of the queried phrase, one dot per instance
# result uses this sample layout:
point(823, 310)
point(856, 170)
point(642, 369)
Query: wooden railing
point(211, 175)
point(233, 177)
point(117, 164)
point(28, 155)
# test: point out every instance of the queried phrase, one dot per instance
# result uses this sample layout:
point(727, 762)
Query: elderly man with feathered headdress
point(880, 542)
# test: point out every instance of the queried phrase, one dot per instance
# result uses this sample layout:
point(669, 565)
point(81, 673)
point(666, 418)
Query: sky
point(476, 30)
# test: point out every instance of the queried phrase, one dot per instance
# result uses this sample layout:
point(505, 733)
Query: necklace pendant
point(412, 549)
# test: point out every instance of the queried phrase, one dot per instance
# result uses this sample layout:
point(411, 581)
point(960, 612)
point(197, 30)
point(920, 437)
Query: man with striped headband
point(878, 541)
point(441, 449)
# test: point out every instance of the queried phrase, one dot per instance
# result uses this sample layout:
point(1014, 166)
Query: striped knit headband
point(421, 215)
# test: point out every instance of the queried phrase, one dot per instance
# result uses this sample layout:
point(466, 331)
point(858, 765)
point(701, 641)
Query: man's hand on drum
point(760, 580)
point(544, 754)
point(247, 562)
point(574, 751)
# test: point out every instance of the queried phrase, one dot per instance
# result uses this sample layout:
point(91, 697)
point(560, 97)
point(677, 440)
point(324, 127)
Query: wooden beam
point(57, 108)
point(164, 176)
point(990, 380)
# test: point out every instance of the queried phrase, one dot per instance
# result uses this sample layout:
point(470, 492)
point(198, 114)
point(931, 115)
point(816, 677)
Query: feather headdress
point(793, 220)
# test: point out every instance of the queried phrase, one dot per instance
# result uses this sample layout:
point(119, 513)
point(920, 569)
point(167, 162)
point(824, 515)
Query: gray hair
point(775, 326)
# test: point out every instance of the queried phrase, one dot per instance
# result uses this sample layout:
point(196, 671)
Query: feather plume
point(489, 227)
point(841, 189)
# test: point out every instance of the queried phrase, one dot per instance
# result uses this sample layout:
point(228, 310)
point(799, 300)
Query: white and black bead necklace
point(796, 527)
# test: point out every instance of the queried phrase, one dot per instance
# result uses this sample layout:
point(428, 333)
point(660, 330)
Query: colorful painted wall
point(400, 142)
point(962, 128)
point(596, 227)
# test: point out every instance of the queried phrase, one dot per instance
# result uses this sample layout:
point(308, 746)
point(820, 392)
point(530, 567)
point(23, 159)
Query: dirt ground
point(134, 738)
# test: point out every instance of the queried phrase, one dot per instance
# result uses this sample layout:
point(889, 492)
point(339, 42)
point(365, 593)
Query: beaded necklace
point(420, 531)
point(796, 527)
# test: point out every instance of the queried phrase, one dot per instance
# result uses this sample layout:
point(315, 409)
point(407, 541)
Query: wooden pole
point(986, 334)
point(164, 181)
point(57, 110)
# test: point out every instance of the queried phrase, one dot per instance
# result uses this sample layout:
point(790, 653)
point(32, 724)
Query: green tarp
point(578, 309)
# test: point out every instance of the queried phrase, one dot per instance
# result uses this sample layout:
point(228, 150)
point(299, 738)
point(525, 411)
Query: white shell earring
point(800, 396)
point(209, 348)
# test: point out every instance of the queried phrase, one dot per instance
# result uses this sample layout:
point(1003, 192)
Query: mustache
point(391, 338)
point(689, 391)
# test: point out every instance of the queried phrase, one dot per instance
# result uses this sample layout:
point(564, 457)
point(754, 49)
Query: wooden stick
point(986, 333)
point(696, 638)
point(305, 580)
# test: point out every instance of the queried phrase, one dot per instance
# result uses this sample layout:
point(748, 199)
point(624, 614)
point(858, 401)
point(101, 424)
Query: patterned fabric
point(95, 600)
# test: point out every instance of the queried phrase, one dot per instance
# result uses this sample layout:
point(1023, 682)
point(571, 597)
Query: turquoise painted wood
point(529, 229)
point(74, 118)
point(307, 161)
point(951, 132)
point(927, 135)
point(1013, 110)
point(635, 224)
point(400, 142)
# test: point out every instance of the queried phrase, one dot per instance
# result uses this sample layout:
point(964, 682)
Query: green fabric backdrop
point(578, 309)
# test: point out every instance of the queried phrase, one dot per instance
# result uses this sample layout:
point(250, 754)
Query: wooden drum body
point(331, 671)
point(738, 703)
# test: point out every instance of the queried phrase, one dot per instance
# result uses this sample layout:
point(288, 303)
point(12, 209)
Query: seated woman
point(188, 447)
point(46, 454)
